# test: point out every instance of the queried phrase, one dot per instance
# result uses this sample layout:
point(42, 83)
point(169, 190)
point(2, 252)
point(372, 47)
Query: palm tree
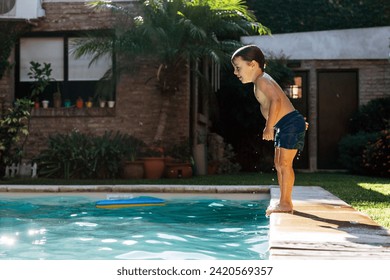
point(173, 33)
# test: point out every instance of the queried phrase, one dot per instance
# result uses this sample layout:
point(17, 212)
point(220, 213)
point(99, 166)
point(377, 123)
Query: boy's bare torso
point(276, 93)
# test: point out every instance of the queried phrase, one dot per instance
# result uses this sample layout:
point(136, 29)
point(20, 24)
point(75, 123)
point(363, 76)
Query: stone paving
point(324, 227)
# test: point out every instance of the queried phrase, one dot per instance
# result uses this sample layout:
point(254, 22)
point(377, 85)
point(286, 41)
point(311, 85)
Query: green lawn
point(367, 194)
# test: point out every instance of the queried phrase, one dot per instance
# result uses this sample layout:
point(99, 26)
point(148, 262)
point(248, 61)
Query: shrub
point(14, 128)
point(372, 117)
point(227, 164)
point(351, 150)
point(376, 157)
point(366, 149)
point(82, 156)
point(180, 151)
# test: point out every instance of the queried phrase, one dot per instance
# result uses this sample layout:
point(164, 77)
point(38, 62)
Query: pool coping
point(322, 227)
point(137, 188)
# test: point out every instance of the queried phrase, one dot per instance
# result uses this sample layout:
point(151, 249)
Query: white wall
point(361, 43)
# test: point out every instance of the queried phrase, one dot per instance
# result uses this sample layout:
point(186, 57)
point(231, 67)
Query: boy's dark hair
point(249, 53)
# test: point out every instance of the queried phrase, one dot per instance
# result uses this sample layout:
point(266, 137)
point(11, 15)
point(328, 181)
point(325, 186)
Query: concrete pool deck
point(323, 227)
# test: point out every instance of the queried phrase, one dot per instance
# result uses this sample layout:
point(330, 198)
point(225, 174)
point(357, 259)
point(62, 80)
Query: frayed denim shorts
point(290, 131)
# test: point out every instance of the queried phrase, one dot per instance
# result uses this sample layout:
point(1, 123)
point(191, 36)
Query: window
point(295, 91)
point(74, 77)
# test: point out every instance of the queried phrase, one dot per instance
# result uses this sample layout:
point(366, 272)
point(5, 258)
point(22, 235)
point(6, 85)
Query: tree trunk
point(162, 122)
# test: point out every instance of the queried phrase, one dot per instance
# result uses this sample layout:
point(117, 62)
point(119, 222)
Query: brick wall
point(138, 103)
point(73, 16)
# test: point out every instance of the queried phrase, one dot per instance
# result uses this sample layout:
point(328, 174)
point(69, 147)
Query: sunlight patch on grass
point(381, 188)
point(378, 211)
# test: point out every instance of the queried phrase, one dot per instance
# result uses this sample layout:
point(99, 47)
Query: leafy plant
point(366, 149)
point(376, 156)
point(227, 164)
point(351, 150)
point(134, 147)
point(285, 16)
point(9, 34)
point(40, 73)
point(180, 151)
point(13, 124)
point(78, 155)
point(152, 151)
point(372, 117)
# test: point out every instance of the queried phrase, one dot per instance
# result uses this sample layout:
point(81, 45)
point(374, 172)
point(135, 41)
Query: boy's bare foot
point(278, 209)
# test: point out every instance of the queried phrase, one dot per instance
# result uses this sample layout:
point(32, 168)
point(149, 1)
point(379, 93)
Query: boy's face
point(243, 70)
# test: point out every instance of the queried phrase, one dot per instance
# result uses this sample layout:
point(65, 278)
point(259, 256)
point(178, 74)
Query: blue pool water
point(71, 228)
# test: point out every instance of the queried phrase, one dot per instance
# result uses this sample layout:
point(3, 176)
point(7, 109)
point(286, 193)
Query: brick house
point(137, 105)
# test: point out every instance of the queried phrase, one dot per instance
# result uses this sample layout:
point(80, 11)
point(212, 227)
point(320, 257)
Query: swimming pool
point(70, 227)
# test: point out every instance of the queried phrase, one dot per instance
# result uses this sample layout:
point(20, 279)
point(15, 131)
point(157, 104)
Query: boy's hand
point(268, 134)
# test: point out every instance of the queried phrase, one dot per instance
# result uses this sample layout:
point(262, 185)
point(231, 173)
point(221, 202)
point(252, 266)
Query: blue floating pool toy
point(132, 202)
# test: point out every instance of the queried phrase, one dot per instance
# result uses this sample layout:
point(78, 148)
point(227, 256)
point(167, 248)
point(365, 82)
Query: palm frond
point(173, 31)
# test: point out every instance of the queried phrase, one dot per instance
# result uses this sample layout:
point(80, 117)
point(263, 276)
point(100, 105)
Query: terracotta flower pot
point(153, 167)
point(178, 170)
point(133, 170)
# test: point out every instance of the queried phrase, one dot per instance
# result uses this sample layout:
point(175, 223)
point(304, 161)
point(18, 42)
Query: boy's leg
point(286, 177)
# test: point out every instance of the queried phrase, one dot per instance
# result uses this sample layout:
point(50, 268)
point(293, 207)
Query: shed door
point(337, 101)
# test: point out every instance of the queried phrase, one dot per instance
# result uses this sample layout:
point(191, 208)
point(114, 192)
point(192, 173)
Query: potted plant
point(89, 103)
point(105, 90)
point(40, 73)
point(67, 103)
point(154, 162)
point(57, 99)
point(79, 102)
point(132, 167)
point(180, 161)
point(45, 104)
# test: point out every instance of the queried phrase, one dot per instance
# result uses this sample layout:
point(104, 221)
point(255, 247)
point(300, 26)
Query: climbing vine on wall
point(9, 33)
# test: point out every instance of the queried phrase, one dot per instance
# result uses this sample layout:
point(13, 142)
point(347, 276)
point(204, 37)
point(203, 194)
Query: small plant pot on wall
point(133, 170)
point(102, 103)
point(88, 104)
point(57, 102)
point(178, 170)
point(67, 103)
point(111, 104)
point(79, 103)
point(154, 167)
point(45, 104)
point(57, 98)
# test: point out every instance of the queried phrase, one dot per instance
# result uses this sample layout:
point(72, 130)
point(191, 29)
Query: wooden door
point(337, 101)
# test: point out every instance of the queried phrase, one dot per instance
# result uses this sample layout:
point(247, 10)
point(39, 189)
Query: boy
point(284, 125)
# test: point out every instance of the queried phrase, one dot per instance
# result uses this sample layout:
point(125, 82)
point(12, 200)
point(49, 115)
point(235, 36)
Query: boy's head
point(250, 53)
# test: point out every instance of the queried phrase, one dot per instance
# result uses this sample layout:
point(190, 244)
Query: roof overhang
point(361, 43)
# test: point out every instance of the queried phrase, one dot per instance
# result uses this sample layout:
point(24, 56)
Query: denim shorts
point(290, 131)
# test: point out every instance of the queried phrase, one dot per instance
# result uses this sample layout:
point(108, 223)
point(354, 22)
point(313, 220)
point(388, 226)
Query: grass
point(370, 195)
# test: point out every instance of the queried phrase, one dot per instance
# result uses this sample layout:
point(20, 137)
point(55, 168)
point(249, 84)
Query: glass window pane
point(80, 70)
point(49, 50)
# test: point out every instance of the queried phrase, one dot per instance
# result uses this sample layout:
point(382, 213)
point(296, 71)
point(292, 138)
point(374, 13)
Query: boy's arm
point(274, 107)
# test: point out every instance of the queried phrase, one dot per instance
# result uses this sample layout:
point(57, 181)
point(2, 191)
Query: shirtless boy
point(284, 125)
